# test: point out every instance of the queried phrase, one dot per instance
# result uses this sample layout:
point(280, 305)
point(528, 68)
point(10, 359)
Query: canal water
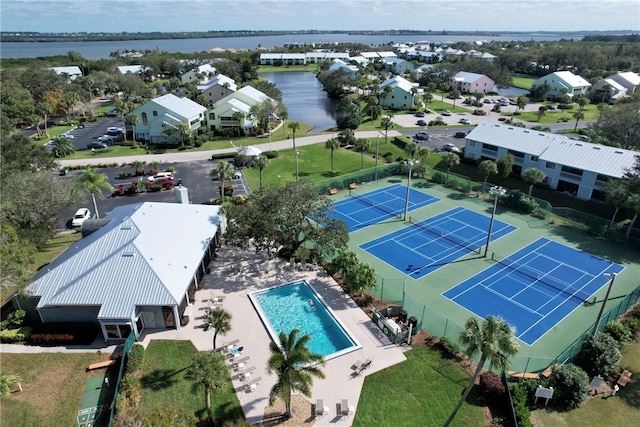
point(305, 99)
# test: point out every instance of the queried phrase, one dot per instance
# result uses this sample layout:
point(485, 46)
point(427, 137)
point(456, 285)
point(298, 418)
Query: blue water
point(287, 307)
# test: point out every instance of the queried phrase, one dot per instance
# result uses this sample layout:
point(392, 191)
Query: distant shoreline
point(34, 37)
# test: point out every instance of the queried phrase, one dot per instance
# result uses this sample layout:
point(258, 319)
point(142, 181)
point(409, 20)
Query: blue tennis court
point(535, 288)
point(421, 248)
point(361, 210)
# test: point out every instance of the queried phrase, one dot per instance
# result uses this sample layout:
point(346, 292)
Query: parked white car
point(81, 216)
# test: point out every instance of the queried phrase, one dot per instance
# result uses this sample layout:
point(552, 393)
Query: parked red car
point(165, 182)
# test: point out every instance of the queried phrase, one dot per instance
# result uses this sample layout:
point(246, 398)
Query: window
point(534, 158)
point(472, 156)
point(489, 147)
point(550, 165)
point(145, 120)
point(155, 114)
point(472, 143)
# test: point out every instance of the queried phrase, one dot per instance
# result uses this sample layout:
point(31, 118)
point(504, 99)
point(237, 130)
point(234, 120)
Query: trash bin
point(413, 321)
point(388, 312)
point(402, 316)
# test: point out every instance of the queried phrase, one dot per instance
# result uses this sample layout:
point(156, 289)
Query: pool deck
point(234, 275)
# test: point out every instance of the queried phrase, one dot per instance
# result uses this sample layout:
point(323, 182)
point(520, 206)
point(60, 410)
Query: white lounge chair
point(321, 409)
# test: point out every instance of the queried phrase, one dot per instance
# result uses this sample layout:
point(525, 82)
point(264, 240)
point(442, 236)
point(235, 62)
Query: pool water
point(285, 307)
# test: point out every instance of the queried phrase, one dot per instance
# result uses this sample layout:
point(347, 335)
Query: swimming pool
point(288, 306)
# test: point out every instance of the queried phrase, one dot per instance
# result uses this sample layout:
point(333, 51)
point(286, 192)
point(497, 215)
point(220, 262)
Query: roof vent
point(126, 228)
point(526, 131)
point(619, 152)
point(595, 147)
point(578, 144)
point(128, 255)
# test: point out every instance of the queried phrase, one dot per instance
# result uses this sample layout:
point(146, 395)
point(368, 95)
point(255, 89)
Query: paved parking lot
point(194, 175)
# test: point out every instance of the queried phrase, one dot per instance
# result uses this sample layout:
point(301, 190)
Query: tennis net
point(448, 235)
point(380, 206)
point(542, 278)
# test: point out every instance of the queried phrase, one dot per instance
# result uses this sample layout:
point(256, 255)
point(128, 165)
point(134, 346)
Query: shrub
point(51, 339)
point(633, 325)
point(270, 154)
point(636, 312)
point(491, 387)
point(450, 347)
point(522, 412)
point(14, 320)
point(135, 358)
point(129, 383)
point(598, 355)
point(570, 384)
point(618, 331)
point(15, 335)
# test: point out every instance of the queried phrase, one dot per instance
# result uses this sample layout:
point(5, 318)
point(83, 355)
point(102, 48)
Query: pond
point(306, 101)
point(512, 91)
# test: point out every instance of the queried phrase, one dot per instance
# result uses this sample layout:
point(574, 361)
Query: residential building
point(397, 65)
point(234, 110)
point(131, 69)
point(132, 273)
point(339, 64)
point(472, 83)
point(316, 57)
point(72, 72)
point(217, 88)
point(282, 59)
point(629, 80)
point(576, 167)
point(564, 83)
point(401, 95)
point(167, 111)
point(198, 74)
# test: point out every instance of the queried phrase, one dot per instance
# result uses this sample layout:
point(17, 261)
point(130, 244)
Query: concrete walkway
point(190, 156)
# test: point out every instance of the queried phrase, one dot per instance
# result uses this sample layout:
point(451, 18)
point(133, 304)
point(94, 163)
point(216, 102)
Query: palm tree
point(494, 340)
point(633, 203)
point(294, 126)
point(295, 365)
point(531, 176)
point(411, 148)
point(208, 371)
point(362, 145)
point(521, 103)
point(223, 172)
point(8, 383)
point(131, 120)
point(386, 91)
point(138, 165)
point(617, 195)
point(427, 97)
point(542, 111)
point(261, 162)
point(583, 102)
point(44, 109)
point(62, 146)
point(219, 320)
point(450, 160)
point(332, 144)
point(237, 117)
point(454, 94)
point(386, 123)
point(487, 167)
point(94, 183)
point(578, 115)
point(347, 137)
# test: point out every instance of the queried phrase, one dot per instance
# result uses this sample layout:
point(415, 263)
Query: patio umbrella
point(249, 151)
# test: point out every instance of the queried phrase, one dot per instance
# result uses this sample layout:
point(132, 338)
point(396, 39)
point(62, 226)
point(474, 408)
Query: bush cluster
point(492, 387)
point(522, 412)
point(15, 335)
point(618, 331)
point(598, 355)
point(570, 384)
point(51, 339)
point(135, 358)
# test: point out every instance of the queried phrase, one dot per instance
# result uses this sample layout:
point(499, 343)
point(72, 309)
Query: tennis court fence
point(131, 339)
point(433, 321)
point(367, 175)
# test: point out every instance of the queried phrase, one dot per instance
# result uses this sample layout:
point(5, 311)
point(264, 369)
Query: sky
point(213, 15)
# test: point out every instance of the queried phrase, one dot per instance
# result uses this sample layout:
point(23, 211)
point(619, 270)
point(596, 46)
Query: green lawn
point(53, 385)
point(419, 392)
point(163, 381)
point(523, 82)
point(621, 410)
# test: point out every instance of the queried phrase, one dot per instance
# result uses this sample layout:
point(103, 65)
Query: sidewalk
point(191, 156)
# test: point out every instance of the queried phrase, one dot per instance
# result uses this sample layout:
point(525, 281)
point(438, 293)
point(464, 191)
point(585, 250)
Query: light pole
point(410, 162)
point(606, 298)
point(377, 151)
point(497, 192)
point(297, 154)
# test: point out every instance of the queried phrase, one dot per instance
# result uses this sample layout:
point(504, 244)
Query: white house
point(401, 94)
point(564, 83)
point(199, 74)
point(316, 57)
point(629, 80)
point(234, 110)
point(339, 64)
point(397, 65)
point(131, 274)
point(577, 167)
point(217, 88)
point(131, 69)
point(72, 72)
point(167, 111)
point(282, 59)
point(618, 86)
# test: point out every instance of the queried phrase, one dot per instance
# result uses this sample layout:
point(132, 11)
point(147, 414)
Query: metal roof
point(180, 106)
point(138, 258)
point(601, 159)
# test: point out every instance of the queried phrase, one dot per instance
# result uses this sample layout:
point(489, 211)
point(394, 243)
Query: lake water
point(305, 100)
point(102, 50)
